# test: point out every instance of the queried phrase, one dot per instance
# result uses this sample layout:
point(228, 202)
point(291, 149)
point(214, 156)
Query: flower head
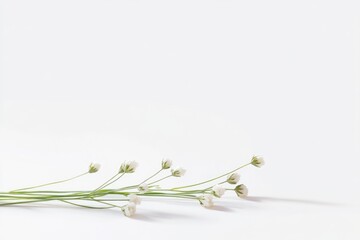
point(128, 167)
point(206, 201)
point(143, 188)
point(94, 167)
point(257, 161)
point(129, 210)
point(133, 198)
point(241, 190)
point(178, 172)
point(218, 191)
point(233, 178)
point(166, 163)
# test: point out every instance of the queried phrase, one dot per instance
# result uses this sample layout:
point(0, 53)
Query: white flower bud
point(166, 163)
point(143, 188)
point(206, 201)
point(178, 172)
point(241, 190)
point(218, 191)
point(257, 161)
point(233, 178)
point(128, 167)
point(94, 167)
point(129, 210)
point(134, 199)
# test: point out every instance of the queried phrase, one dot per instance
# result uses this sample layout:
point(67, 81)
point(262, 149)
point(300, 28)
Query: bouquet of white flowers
point(104, 197)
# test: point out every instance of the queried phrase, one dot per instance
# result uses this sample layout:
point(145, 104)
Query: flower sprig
point(127, 198)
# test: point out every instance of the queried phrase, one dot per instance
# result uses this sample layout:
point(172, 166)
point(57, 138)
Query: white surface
point(206, 83)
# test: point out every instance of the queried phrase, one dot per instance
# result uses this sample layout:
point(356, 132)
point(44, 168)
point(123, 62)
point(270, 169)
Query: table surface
point(205, 83)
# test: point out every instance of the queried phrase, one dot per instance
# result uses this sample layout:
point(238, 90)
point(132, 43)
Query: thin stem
point(177, 191)
point(33, 192)
point(112, 200)
point(213, 179)
point(113, 205)
point(104, 184)
point(84, 206)
point(168, 195)
point(214, 185)
point(134, 186)
point(23, 202)
point(160, 179)
point(126, 188)
point(151, 176)
point(47, 184)
point(112, 181)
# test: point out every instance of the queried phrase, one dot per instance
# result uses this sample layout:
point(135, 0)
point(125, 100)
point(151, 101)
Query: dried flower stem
point(107, 198)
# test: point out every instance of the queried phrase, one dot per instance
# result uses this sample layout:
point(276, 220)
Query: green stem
point(168, 195)
point(134, 186)
point(84, 206)
point(23, 202)
point(37, 192)
point(151, 176)
point(213, 179)
point(47, 184)
point(109, 204)
point(178, 191)
point(214, 185)
point(104, 184)
point(112, 200)
point(160, 179)
point(112, 181)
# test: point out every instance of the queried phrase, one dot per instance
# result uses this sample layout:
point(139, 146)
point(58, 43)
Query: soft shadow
point(154, 216)
point(221, 208)
point(147, 215)
point(142, 217)
point(171, 201)
point(290, 200)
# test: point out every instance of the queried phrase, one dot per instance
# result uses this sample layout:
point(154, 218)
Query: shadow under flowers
point(290, 200)
point(229, 205)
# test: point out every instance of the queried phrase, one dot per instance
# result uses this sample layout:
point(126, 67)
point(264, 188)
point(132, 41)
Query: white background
point(206, 83)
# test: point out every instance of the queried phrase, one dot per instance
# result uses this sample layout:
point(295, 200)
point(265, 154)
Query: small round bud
point(241, 190)
point(128, 167)
point(94, 167)
point(166, 163)
point(178, 172)
point(257, 161)
point(143, 188)
point(134, 199)
point(218, 191)
point(233, 178)
point(206, 201)
point(129, 210)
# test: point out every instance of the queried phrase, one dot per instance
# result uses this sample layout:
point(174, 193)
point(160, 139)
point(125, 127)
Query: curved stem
point(214, 185)
point(84, 206)
point(168, 195)
point(112, 200)
point(109, 204)
point(104, 184)
point(178, 191)
point(213, 179)
point(23, 202)
point(112, 181)
point(47, 184)
point(151, 176)
point(160, 179)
